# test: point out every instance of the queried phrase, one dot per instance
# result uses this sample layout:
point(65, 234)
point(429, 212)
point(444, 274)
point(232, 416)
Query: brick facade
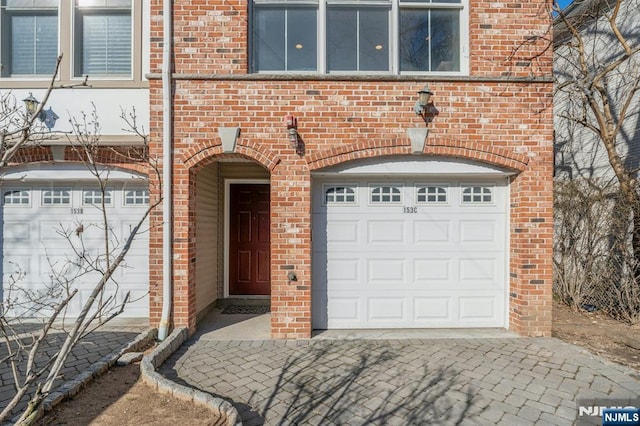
point(501, 114)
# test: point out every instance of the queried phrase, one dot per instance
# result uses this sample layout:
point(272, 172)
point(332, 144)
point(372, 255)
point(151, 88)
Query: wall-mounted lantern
point(292, 134)
point(31, 104)
point(48, 117)
point(423, 104)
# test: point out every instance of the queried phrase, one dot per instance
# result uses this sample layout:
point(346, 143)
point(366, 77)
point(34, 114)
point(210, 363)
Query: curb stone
point(151, 362)
point(71, 387)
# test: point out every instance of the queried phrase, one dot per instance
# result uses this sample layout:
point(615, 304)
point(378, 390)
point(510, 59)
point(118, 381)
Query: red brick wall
point(502, 115)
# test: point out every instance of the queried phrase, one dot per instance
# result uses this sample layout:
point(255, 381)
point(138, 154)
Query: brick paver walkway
point(398, 382)
point(92, 348)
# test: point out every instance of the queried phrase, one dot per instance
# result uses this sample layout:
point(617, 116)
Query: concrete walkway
point(483, 380)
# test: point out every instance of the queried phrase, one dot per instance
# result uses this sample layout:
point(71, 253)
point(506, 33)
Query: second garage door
point(409, 252)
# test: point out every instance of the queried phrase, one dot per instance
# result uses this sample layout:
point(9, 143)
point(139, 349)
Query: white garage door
point(36, 215)
point(409, 252)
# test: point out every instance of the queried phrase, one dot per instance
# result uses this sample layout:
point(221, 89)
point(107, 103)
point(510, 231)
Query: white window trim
point(327, 186)
point(66, 45)
point(491, 187)
point(394, 17)
point(12, 205)
point(446, 187)
point(107, 190)
point(68, 189)
point(372, 186)
point(124, 197)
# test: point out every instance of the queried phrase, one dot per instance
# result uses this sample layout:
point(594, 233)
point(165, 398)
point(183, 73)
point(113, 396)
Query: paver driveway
point(444, 381)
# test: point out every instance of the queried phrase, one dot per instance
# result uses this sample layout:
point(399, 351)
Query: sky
point(564, 3)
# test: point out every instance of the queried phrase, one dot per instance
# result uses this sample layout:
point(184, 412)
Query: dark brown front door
point(249, 235)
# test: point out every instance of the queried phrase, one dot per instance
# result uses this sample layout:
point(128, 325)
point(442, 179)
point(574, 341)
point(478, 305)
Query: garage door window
point(16, 197)
point(56, 197)
point(432, 194)
point(345, 194)
point(386, 195)
point(136, 197)
point(93, 197)
point(477, 195)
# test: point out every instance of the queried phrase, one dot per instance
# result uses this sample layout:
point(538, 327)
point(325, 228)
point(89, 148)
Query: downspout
point(167, 171)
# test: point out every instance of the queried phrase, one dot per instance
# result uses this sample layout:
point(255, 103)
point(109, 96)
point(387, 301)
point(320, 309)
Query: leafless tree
point(34, 368)
point(597, 79)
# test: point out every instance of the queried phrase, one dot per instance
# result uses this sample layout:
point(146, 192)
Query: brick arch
point(482, 152)
point(107, 157)
point(199, 157)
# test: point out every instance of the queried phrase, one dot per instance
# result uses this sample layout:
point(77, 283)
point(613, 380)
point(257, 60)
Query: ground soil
point(120, 397)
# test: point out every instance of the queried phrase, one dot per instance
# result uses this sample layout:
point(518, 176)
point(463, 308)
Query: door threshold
point(244, 300)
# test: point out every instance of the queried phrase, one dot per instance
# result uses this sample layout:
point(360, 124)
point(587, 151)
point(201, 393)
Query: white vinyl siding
point(207, 236)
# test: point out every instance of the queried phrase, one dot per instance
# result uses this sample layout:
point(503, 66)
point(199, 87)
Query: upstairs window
point(359, 36)
point(285, 37)
point(429, 36)
point(103, 38)
point(29, 33)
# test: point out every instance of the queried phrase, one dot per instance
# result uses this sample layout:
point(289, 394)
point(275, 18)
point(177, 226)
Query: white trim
point(418, 185)
point(66, 171)
point(415, 165)
point(20, 189)
point(227, 222)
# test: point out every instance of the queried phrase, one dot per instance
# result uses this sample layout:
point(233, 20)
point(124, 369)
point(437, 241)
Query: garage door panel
point(343, 271)
point(18, 233)
point(39, 248)
point(135, 266)
point(387, 310)
point(344, 308)
point(432, 232)
point(479, 308)
point(478, 271)
point(386, 232)
point(343, 231)
point(429, 265)
point(385, 271)
point(50, 230)
point(433, 270)
point(433, 309)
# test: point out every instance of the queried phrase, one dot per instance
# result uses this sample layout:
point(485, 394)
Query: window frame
point(108, 191)
point(426, 186)
point(53, 196)
point(66, 38)
point(14, 190)
point(490, 187)
point(77, 38)
point(401, 193)
point(394, 23)
point(326, 187)
point(134, 189)
point(6, 40)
